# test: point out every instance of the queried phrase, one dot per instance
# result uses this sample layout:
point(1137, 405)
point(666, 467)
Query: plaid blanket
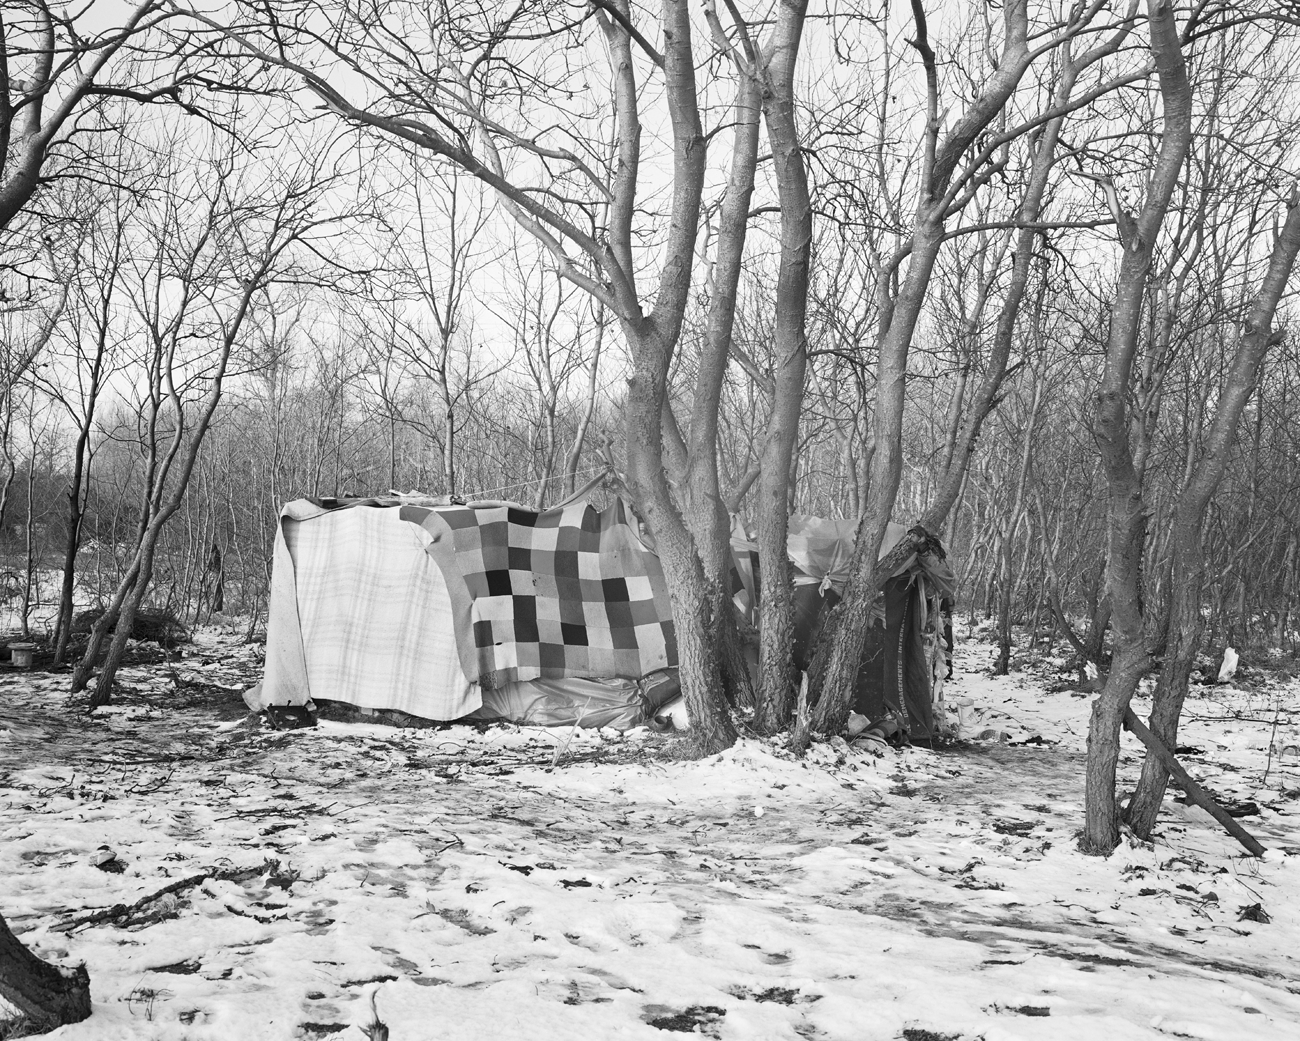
point(358, 613)
point(565, 592)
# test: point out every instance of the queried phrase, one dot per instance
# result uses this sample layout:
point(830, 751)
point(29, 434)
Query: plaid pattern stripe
point(365, 613)
point(564, 592)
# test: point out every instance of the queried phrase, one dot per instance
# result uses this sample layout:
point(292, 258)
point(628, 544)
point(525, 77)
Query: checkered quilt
point(565, 592)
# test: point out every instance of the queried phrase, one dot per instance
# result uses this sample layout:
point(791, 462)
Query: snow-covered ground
point(519, 883)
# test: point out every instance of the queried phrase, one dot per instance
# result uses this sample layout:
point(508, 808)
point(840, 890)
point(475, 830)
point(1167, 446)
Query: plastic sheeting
point(820, 549)
point(617, 703)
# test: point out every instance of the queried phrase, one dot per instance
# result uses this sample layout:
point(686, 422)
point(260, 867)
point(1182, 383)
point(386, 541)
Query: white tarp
point(359, 613)
point(820, 549)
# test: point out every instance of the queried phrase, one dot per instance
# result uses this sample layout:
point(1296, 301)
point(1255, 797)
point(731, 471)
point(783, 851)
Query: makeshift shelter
point(490, 610)
point(905, 659)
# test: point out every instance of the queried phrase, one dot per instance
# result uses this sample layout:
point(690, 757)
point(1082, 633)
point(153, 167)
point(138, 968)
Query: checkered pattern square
point(565, 592)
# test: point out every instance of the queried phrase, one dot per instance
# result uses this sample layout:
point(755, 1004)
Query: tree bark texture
point(652, 340)
point(706, 513)
point(693, 621)
point(823, 718)
point(834, 675)
point(45, 996)
point(777, 673)
point(1126, 514)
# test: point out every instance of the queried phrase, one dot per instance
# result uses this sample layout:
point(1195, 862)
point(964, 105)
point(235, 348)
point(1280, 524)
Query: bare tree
point(1127, 520)
point(955, 165)
point(89, 342)
point(458, 105)
point(790, 344)
point(559, 332)
point(54, 66)
point(1185, 623)
point(436, 266)
point(28, 328)
point(215, 249)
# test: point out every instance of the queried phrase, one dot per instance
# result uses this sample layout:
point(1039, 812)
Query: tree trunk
point(10, 469)
point(1126, 521)
point(574, 458)
point(67, 588)
point(125, 622)
point(776, 635)
point(652, 340)
point(834, 669)
point(45, 996)
point(1006, 580)
point(29, 569)
point(1101, 827)
point(1187, 572)
point(832, 682)
point(852, 616)
point(693, 606)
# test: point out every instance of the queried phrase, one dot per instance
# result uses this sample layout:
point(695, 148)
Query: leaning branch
point(630, 29)
point(1194, 791)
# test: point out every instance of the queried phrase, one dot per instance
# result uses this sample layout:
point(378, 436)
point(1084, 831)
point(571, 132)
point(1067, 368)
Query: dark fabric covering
point(914, 673)
point(869, 694)
point(809, 610)
point(894, 677)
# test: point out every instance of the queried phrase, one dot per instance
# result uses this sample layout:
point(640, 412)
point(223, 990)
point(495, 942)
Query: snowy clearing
point(271, 885)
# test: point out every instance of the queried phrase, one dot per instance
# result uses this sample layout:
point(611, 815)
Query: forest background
point(1015, 271)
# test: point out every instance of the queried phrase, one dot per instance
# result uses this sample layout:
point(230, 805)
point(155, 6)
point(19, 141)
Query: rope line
point(486, 493)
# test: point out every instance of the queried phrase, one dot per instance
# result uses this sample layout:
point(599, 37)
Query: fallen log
point(1194, 791)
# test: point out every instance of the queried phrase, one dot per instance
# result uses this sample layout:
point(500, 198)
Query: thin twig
point(1272, 740)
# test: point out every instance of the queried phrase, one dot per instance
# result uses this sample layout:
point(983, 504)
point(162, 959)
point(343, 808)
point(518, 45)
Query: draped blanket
point(358, 613)
point(565, 592)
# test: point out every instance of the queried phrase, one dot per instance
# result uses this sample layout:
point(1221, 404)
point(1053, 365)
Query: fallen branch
point(109, 914)
point(1194, 791)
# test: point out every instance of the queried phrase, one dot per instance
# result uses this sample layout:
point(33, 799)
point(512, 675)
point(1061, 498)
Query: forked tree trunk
point(837, 658)
point(698, 482)
point(965, 432)
point(652, 340)
point(44, 996)
point(693, 607)
point(163, 498)
point(1126, 515)
point(125, 622)
point(1187, 570)
point(1101, 830)
point(839, 653)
